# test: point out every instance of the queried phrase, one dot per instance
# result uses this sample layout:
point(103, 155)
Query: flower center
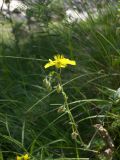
point(58, 63)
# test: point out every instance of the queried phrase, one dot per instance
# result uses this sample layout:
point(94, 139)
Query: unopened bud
point(47, 84)
point(61, 109)
point(59, 88)
point(74, 135)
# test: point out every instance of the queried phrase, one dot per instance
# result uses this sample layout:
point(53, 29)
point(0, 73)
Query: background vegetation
point(29, 121)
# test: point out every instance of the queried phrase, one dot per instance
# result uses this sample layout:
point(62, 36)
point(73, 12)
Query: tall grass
point(29, 119)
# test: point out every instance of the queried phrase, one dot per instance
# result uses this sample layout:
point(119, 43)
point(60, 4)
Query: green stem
point(71, 118)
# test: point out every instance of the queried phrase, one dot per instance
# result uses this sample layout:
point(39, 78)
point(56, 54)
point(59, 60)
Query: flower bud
point(61, 109)
point(74, 135)
point(47, 84)
point(59, 88)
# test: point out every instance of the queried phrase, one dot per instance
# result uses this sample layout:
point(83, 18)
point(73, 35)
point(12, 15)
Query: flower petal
point(18, 158)
point(26, 157)
point(49, 64)
point(71, 62)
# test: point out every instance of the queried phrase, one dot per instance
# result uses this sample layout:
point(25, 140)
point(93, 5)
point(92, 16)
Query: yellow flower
point(24, 157)
point(59, 62)
point(18, 158)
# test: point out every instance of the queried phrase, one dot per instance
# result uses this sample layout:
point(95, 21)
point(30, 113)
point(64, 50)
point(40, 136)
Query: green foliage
point(29, 118)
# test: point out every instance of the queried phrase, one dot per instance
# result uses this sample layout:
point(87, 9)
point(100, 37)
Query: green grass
point(28, 112)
